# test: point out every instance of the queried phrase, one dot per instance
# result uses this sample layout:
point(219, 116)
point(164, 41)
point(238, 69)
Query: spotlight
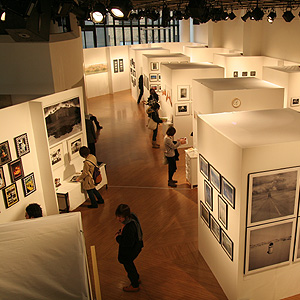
point(98, 14)
point(141, 14)
point(152, 14)
point(246, 16)
point(177, 14)
point(288, 15)
point(232, 15)
point(165, 16)
point(271, 16)
point(120, 9)
point(197, 9)
point(257, 14)
point(3, 15)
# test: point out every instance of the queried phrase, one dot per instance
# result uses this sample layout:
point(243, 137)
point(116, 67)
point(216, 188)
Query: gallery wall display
point(182, 109)
point(74, 145)
point(297, 243)
point(244, 74)
point(63, 120)
point(10, 195)
point(116, 66)
point(2, 179)
point(121, 65)
point(16, 170)
point(57, 156)
point(5, 155)
point(22, 144)
point(28, 184)
point(95, 69)
point(204, 213)
point(183, 92)
point(252, 73)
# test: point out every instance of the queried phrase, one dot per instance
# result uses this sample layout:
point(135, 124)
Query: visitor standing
point(141, 87)
point(152, 112)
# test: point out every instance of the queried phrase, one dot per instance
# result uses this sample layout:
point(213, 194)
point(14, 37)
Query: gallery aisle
point(170, 265)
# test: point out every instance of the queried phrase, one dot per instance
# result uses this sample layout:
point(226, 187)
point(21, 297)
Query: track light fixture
point(288, 16)
point(232, 15)
point(165, 16)
point(3, 15)
point(246, 16)
point(271, 16)
point(257, 14)
point(120, 9)
point(98, 14)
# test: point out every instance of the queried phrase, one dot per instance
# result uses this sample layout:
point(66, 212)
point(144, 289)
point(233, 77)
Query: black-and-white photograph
point(252, 73)
point(215, 228)
point(215, 178)
point(235, 74)
point(63, 120)
point(204, 166)
point(116, 66)
point(182, 109)
point(273, 195)
point(183, 92)
point(56, 156)
point(121, 65)
point(297, 243)
point(222, 212)
point(204, 213)
point(228, 192)
point(227, 244)
point(245, 73)
point(269, 245)
point(208, 194)
point(22, 145)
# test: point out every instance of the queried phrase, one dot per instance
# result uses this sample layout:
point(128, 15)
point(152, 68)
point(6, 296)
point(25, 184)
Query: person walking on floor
point(141, 87)
point(170, 147)
point(130, 240)
point(86, 177)
point(152, 112)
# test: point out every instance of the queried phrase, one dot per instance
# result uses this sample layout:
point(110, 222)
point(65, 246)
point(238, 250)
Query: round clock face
point(236, 102)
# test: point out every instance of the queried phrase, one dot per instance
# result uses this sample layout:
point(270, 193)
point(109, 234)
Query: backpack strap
point(92, 163)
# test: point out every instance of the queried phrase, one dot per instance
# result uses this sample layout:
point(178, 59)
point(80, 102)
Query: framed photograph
point(28, 184)
point(5, 155)
point(153, 77)
point(204, 166)
point(2, 179)
point(159, 77)
point(272, 195)
point(215, 178)
point(154, 87)
point(74, 145)
point(235, 74)
point(16, 170)
point(228, 192)
point(208, 194)
point(95, 69)
point(63, 120)
point(183, 92)
point(222, 212)
point(215, 228)
point(57, 156)
point(244, 74)
point(131, 61)
point(158, 88)
point(121, 65)
point(269, 245)
point(134, 82)
point(204, 213)
point(22, 145)
point(295, 101)
point(182, 109)
point(154, 66)
point(252, 73)
point(297, 243)
point(227, 244)
point(134, 74)
point(10, 195)
point(116, 67)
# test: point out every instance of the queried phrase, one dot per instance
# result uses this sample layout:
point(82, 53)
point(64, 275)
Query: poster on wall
point(10, 195)
point(273, 195)
point(116, 67)
point(5, 155)
point(74, 145)
point(22, 145)
point(28, 184)
point(121, 65)
point(269, 245)
point(63, 120)
point(95, 69)
point(57, 156)
point(16, 170)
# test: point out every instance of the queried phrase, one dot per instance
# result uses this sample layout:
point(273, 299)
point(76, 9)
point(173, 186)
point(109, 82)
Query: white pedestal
point(191, 161)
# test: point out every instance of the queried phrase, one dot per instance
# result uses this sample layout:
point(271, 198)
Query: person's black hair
point(123, 210)
point(34, 210)
point(84, 151)
point(155, 105)
point(171, 131)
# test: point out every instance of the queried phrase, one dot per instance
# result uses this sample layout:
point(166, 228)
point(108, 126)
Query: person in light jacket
point(170, 146)
point(86, 177)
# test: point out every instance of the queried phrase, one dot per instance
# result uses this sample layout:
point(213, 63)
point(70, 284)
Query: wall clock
point(236, 102)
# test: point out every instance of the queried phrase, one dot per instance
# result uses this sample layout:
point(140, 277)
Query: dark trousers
point(92, 193)
point(92, 148)
point(132, 273)
point(141, 95)
point(171, 167)
point(154, 134)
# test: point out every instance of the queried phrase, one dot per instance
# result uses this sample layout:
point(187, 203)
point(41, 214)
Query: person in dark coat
point(152, 112)
point(130, 240)
point(141, 87)
point(153, 98)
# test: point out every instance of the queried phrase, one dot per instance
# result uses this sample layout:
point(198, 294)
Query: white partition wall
point(243, 153)
point(177, 96)
point(234, 94)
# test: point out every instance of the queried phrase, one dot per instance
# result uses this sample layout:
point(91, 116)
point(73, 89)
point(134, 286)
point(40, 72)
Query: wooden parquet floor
point(170, 265)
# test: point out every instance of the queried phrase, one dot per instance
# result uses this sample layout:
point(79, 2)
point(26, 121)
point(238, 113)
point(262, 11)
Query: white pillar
point(184, 28)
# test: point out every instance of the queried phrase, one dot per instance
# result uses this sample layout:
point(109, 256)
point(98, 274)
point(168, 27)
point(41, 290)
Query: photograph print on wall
point(5, 155)
point(28, 183)
point(121, 65)
point(57, 156)
point(16, 170)
point(182, 109)
point(273, 195)
point(2, 179)
point(63, 120)
point(227, 244)
point(228, 192)
point(74, 145)
point(116, 67)
point(208, 194)
point(22, 145)
point(183, 92)
point(204, 213)
point(204, 166)
point(154, 66)
point(10, 195)
point(215, 178)
point(222, 211)
point(215, 228)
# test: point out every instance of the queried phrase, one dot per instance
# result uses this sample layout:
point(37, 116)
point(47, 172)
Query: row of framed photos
point(223, 186)
point(154, 77)
point(118, 65)
point(217, 231)
point(244, 73)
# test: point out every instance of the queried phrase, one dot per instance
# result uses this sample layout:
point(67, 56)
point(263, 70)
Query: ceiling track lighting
point(120, 9)
point(246, 16)
point(271, 16)
point(232, 15)
point(288, 16)
point(257, 14)
point(98, 14)
point(165, 16)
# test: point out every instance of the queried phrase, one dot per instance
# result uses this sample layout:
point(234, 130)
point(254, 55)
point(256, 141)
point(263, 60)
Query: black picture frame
point(5, 156)
point(215, 178)
point(121, 65)
point(204, 214)
point(223, 212)
point(227, 244)
point(16, 170)
point(208, 195)
point(116, 66)
point(10, 195)
point(22, 144)
point(28, 183)
point(228, 192)
point(2, 179)
point(204, 166)
point(215, 228)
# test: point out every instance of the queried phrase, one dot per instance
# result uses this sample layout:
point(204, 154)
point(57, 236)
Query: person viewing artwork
point(86, 177)
point(153, 98)
point(33, 211)
point(130, 240)
point(170, 147)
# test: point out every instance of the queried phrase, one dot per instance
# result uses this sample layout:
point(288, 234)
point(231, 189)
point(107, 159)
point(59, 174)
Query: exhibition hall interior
point(226, 74)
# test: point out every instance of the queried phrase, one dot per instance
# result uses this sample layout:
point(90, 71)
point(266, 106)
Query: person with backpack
point(86, 177)
point(130, 240)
